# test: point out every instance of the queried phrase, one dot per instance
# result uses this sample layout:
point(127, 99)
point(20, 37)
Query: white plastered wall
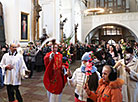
point(12, 18)
point(49, 18)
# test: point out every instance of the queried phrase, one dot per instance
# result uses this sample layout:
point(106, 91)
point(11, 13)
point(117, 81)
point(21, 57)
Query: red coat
point(54, 78)
point(108, 92)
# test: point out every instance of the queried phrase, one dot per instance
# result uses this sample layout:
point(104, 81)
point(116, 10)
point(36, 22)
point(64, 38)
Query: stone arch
point(96, 27)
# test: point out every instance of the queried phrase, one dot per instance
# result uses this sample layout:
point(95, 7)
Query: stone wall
point(128, 20)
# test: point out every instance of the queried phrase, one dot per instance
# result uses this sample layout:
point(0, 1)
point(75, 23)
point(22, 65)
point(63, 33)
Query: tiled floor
point(33, 90)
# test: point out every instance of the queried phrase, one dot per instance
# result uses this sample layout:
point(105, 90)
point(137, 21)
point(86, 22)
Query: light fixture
point(93, 10)
point(110, 12)
point(109, 27)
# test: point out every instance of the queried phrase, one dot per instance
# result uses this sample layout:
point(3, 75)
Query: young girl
point(79, 79)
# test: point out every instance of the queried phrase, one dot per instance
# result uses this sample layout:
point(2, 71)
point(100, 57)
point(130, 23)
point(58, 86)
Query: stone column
point(36, 9)
point(32, 21)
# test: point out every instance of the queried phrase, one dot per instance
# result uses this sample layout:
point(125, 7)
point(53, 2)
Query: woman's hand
point(87, 89)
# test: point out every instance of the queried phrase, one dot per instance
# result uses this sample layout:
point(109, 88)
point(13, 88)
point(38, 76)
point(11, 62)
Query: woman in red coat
point(109, 89)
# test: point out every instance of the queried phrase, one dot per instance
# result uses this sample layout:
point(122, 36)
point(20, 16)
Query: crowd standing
point(107, 57)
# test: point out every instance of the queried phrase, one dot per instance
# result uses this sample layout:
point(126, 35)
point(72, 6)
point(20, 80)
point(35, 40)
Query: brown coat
point(108, 92)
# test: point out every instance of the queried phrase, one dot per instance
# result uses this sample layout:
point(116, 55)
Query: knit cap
point(86, 56)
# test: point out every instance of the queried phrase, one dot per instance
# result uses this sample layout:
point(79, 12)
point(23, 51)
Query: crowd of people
point(108, 72)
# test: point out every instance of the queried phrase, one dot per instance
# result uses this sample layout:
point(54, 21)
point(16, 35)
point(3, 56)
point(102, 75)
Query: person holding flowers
point(86, 74)
point(109, 89)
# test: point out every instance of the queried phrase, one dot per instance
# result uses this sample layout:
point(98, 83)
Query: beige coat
point(130, 87)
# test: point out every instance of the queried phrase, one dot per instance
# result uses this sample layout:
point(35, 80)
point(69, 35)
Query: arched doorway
point(2, 33)
point(108, 32)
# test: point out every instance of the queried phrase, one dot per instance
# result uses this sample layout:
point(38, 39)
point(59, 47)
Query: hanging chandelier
point(91, 11)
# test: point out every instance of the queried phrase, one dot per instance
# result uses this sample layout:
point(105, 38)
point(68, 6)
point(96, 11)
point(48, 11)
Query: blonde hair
point(108, 67)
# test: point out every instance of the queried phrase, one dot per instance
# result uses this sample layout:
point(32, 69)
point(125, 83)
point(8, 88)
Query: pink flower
point(88, 73)
point(88, 69)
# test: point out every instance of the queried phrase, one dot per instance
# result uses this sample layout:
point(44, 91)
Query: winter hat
point(86, 56)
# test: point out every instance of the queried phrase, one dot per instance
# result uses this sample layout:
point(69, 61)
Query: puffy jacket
point(108, 92)
point(78, 80)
